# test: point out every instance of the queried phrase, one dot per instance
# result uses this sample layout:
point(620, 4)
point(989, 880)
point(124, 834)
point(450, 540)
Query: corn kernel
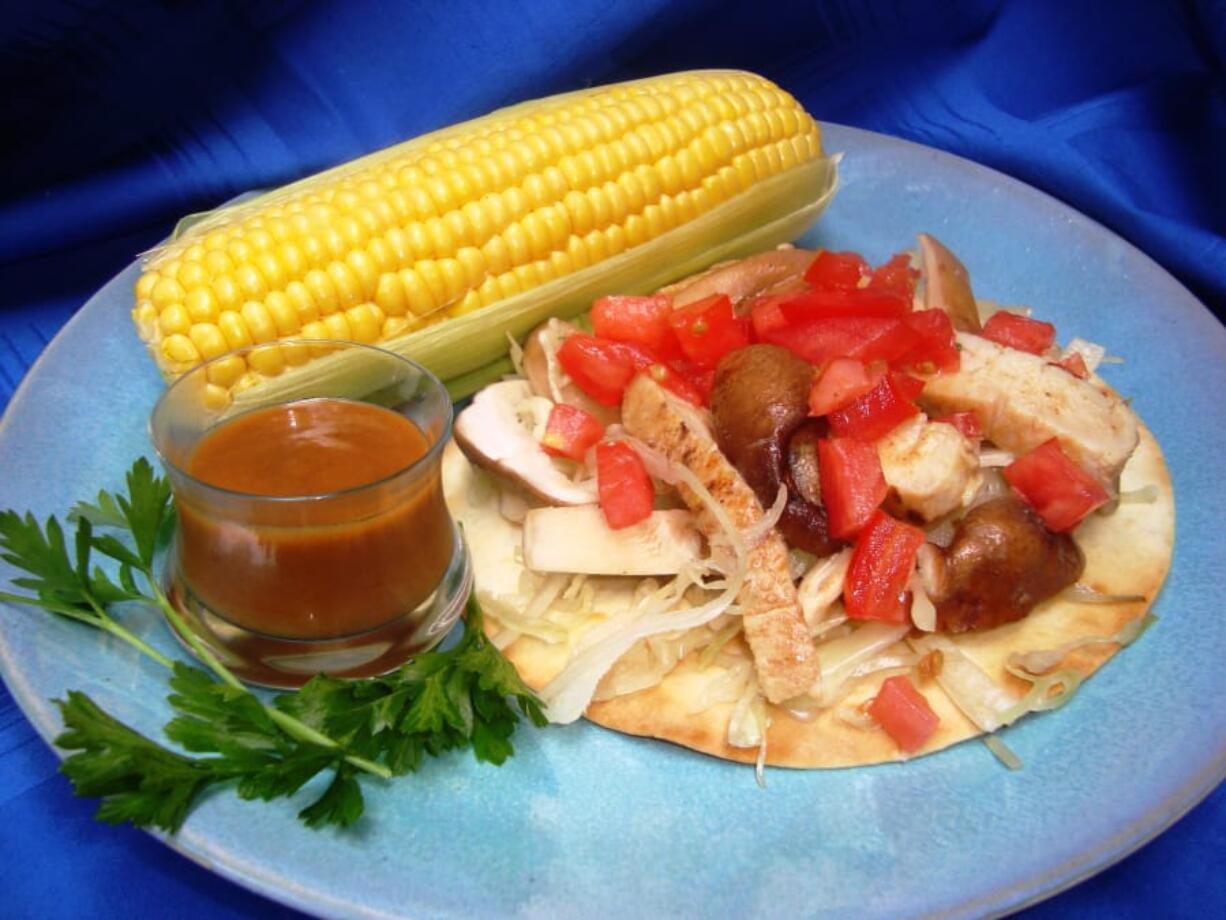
point(234, 329)
point(179, 350)
point(208, 340)
point(226, 372)
point(268, 360)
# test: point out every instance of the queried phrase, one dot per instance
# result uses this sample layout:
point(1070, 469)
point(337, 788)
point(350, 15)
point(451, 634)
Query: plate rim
point(1012, 896)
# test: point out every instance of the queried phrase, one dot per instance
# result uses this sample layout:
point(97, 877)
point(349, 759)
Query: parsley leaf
point(464, 696)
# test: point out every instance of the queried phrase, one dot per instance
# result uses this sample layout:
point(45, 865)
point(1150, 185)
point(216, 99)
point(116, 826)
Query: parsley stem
point(98, 619)
point(293, 727)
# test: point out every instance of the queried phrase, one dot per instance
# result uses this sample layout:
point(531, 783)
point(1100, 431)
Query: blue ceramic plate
point(584, 821)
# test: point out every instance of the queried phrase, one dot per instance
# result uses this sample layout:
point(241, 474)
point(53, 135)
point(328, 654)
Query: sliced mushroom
point(577, 540)
point(947, 284)
point(537, 355)
point(743, 278)
point(491, 435)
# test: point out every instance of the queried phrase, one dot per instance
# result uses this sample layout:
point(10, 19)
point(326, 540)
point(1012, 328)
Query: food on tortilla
point(895, 527)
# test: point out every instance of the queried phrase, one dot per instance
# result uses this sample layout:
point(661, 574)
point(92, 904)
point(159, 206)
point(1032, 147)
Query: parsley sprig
point(465, 696)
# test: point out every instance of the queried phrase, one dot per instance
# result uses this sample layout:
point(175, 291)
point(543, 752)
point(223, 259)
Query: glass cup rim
point(425, 461)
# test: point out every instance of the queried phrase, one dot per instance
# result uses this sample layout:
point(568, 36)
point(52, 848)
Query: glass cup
point(347, 581)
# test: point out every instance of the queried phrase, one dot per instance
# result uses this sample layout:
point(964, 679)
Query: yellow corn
point(461, 223)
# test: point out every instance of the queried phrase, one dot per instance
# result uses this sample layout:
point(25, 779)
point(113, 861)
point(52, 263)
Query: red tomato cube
point(836, 271)
point(881, 565)
point(622, 484)
point(936, 349)
point(896, 276)
point(570, 431)
point(1075, 364)
point(840, 381)
point(1059, 490)
point(852, 484)
point(965, 422)
point(708, 329)
point(641, 320)
point(1020, 332)
point(876, 413)
point(904, 713)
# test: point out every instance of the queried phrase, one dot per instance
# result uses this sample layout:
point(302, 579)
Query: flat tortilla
point(1128, 552)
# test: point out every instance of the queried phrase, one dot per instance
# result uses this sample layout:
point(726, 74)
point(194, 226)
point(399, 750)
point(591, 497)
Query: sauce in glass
point(324, 529)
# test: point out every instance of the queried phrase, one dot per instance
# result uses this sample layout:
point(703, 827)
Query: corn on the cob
point(536, 208)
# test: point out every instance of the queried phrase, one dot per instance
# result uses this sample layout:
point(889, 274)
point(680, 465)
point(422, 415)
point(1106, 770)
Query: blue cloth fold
point(119, 117)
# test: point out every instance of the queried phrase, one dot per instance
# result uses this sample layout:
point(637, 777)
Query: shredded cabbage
point(841, 657)
point(980, 698)
point(1002, 751)
point(725, 687)
point(765, 524)
point(1081, 593)
point(1146, 495)
point(1091, 353)
point(553, 369)
point(516, 354)
point(1040, 661)
point(568, 694)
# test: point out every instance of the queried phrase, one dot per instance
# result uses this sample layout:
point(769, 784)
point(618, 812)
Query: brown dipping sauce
point(323, 531)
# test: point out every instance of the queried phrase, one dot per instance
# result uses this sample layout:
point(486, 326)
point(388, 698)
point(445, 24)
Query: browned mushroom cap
point(491, 436)
point(536, 369)
point(1001, 563)
point(743, 278)
point(947, 284)
point(759, 401)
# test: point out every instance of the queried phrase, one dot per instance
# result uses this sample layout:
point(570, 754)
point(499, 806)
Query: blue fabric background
point(118, 117)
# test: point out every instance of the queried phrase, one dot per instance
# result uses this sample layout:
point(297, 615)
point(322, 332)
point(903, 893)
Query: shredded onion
point(756, 533)
point(516, 354)
point(1081, 593)
point(991, 457)
point(821, 587)
point(923, 611)
point(1091, 352)
point(942, 532)
point(725, 687)
point(857, 718)
point(553, 369)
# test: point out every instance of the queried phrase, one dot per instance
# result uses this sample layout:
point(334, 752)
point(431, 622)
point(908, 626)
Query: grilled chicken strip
point(774, 625)
point(932, 468)
point(1021, 401)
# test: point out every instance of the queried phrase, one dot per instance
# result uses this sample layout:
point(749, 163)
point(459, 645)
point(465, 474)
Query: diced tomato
point(936, 349)
point(811, 305)
point(597, 366)
point(881, 566)
point(965, 422)
point(641, 320)
point(602, 368)
point(623, 485)
point(708, 329)
point(840, 381)
point(1075, 364)
point(818, 341)
point(852, 483)
point(904, 713)
point(766, 317)
point(908, 386)
point(1059, 490)
point(896, 276)
point(702, 379)
point(1020, 332)
point(570, 431)
point(836, 271)
point(680, 384)
point(876, 413)
point(890, 342)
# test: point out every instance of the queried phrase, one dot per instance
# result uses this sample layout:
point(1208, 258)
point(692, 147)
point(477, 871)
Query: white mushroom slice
point(931, 466)
point(1021, 401)
point(947, 284)
point(491, 435)
point(577, 540)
